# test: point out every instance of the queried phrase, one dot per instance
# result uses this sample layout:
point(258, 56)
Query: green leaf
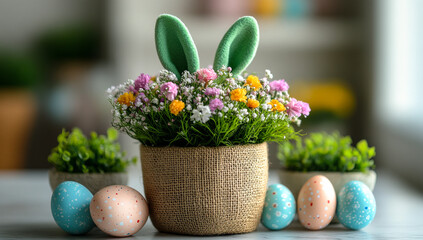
point(66, 156)
point(238, 46)
point(112, 134)
point(175, 47)
point(362, 146)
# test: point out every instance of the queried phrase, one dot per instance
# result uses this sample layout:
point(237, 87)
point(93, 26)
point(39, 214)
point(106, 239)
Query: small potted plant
point(330, 155)
point(96, 162)
point(203, 131)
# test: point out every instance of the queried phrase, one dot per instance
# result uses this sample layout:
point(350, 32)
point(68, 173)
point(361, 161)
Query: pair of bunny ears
point(177, 51)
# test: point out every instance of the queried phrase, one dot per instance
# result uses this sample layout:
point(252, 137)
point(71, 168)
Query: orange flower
point(126, 98)
point(252, 103)
point(277, 106)
point(176, 106)
point(253, 82)
point(239, 95)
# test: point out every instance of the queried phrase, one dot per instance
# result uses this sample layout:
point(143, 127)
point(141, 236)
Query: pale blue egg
point(356, 205)
point(70, 206)
point(279, 207)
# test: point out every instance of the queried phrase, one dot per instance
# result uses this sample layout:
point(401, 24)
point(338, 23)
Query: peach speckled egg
point(119, 210)
point(316, 203)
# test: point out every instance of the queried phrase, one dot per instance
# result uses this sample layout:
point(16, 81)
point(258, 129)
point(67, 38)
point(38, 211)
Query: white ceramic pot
point(295, 180)
point(93, 181)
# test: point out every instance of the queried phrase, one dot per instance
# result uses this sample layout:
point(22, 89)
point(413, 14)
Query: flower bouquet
point(203, 131)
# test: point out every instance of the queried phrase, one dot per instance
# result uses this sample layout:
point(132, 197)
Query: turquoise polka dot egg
point(356, 205)
point(70, 206)
point(279, 207)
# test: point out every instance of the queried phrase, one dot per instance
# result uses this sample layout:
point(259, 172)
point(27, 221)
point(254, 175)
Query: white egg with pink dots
point(119, 210)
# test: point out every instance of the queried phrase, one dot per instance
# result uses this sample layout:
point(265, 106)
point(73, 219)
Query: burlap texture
point(205, 190)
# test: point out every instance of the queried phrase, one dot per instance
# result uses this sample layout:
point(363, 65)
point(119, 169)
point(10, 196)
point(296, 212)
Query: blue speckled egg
point(70, 206)
point(356, 206)
point(279, 207)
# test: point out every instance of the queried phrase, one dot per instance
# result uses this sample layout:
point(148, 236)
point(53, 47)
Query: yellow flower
point(253, 82)
point(277, 106)
point(126, 98)
point(239, 95)
point(252, 103)
point(176, 106)
point(153, 78)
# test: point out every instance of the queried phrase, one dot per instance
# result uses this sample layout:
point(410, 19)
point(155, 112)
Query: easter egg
point(119, 210)
point(356, 205)
point(279, 207)
point(316, 203)
point(70, 204)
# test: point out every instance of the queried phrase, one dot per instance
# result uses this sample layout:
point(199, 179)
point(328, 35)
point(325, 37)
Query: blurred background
point(358, 64)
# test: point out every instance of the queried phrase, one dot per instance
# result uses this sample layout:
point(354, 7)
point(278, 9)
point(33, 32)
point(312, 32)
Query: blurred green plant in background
point(78, 154)
point(326, 152)
point(18, 71)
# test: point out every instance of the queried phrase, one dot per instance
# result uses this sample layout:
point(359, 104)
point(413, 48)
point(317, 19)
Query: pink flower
point(305, 108)
point(296, 108)
point(216, 104)
point(170, 90)
point(206, 74)
point(212, 91)
point(142, 81)
point(279, 85)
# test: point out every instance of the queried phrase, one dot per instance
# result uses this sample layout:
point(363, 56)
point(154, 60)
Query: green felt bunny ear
point(174, 45)
point(239, 45)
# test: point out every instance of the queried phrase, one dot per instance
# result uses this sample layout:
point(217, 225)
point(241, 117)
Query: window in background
point(399, 81)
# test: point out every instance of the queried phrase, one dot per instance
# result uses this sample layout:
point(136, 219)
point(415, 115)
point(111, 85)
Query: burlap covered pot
point(205, 190)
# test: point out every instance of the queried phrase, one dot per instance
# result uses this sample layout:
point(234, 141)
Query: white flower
point(201, 114)
point(189, 108)
point(225, 109)
point(219, 114)
point(268, 74)
point(262, 117)
point(244, 111)
point(254, 115)
point(230, 105)
point(155, 101)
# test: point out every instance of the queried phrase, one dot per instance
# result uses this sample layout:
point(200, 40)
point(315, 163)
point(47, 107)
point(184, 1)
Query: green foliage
point(216, 132)
point(18, 71)
point(99, 154)
point(76, 42)
point(324, 152)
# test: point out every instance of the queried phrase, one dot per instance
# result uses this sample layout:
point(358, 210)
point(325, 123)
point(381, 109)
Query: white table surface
point(25, 213)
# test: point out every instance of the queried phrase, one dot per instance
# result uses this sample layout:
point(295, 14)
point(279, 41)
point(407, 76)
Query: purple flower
point(296, 108)
point(142, 97)
point(212, 91)
point(206, 74)
point(142, 81)
point(216, 104)
point(279, 85)
point(169, 90)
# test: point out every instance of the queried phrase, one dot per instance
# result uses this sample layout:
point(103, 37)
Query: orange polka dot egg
point(316, 203)
point(119, 210)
